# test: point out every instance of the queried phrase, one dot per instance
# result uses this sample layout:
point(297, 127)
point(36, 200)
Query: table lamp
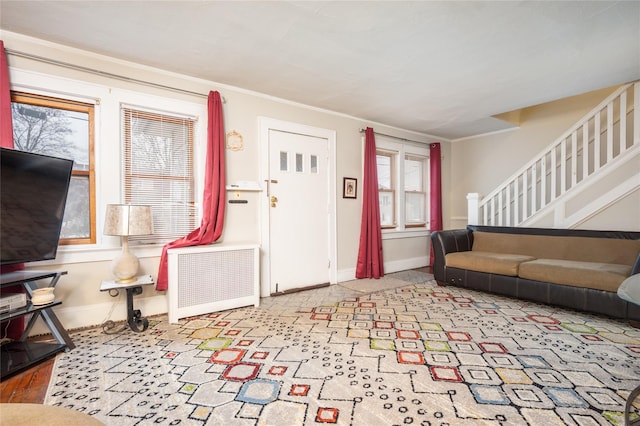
point(124, 220)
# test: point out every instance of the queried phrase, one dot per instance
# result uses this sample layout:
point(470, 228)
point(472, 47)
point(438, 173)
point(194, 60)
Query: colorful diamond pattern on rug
point(419, 354)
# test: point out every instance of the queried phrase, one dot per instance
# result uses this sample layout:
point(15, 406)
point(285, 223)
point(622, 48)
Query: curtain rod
point(395, 137)
point(103, 73)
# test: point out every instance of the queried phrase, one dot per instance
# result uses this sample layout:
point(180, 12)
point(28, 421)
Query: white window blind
point(157, 164)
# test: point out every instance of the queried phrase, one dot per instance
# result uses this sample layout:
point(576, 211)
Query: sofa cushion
point(595, 275)
point(495, 263)
point(583, 249)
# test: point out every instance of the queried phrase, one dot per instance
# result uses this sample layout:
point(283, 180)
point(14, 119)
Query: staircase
point(590, 167)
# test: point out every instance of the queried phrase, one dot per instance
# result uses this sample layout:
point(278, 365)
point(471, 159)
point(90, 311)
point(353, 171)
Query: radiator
point(205, 279)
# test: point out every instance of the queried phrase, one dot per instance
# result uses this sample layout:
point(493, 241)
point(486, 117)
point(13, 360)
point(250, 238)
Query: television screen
point(33, 195)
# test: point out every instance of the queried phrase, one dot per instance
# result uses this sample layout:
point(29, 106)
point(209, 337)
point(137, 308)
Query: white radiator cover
point(205, 279)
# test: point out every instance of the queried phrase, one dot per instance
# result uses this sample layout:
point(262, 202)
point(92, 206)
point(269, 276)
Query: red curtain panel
point(370, 264)
point(6, 126)
point(14, 329)
point(214, 198)
point(435, 200)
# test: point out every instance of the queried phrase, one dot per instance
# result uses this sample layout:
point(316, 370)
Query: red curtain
point(6, 127)
point(370, 264)
point(15, 327)
point(214, 198)
point(435, 201)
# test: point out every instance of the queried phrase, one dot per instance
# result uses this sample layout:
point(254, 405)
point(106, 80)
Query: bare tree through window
point(61, 128)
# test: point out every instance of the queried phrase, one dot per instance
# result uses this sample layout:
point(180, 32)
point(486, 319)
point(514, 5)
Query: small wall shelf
point(134, 317)
point(248, 186)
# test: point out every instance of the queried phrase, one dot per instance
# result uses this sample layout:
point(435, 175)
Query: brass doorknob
point(274, 200)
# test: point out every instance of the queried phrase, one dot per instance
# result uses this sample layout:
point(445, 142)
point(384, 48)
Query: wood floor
point(29, 386)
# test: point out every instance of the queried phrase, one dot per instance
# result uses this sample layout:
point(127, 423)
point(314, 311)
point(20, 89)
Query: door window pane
point(284, 161)
point(299, 163)
point(313, 164)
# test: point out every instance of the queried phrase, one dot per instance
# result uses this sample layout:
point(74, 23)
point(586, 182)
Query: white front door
point(299, 209)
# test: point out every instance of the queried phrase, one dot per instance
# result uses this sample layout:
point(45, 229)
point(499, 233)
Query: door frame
point(265, 125)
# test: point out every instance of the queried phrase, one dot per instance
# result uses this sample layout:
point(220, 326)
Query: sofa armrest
point(449, 241)
point(636, 266)
point(629, 290)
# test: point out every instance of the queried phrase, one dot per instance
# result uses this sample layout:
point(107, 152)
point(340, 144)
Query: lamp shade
point(125, 219)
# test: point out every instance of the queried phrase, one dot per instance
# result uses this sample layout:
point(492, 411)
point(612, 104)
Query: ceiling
point(440, 68)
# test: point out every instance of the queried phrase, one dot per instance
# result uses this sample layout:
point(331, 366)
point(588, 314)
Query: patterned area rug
point(415, 354)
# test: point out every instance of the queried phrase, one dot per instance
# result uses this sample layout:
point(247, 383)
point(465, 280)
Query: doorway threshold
point(299, 289)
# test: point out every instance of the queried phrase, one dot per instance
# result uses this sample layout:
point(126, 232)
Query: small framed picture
point(349, 188)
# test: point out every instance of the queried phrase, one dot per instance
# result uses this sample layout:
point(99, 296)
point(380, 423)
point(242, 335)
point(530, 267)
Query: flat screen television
point(33, 195)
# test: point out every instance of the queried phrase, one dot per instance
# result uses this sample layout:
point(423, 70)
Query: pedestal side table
point(134, 317)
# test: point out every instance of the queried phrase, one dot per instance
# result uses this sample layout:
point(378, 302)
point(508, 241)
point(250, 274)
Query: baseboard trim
point(389, 267)
point(75, 317)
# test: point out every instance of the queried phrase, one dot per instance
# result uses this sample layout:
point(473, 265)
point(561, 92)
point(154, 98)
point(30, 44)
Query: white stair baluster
point(623, 122)
point(609, 132)
point(596, 143)
point(585, 149)
point(563, 167)
point(574, 159)
point(636, 113)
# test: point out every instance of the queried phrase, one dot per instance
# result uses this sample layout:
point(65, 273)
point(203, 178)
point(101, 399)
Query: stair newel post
point(473, 208)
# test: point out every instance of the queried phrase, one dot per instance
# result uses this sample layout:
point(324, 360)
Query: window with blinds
point(157, 165)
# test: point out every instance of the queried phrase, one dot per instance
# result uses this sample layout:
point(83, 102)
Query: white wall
point(83, 303)
point(623, 215)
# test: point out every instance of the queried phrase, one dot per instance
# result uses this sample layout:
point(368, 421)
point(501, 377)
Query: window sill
point(393, 234)
point(88, 254)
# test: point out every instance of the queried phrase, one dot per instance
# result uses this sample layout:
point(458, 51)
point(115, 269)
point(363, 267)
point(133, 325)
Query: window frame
point(399, 152)
point(128, 175)
point(75, 106)
point(392, 190)
point(425, 165)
